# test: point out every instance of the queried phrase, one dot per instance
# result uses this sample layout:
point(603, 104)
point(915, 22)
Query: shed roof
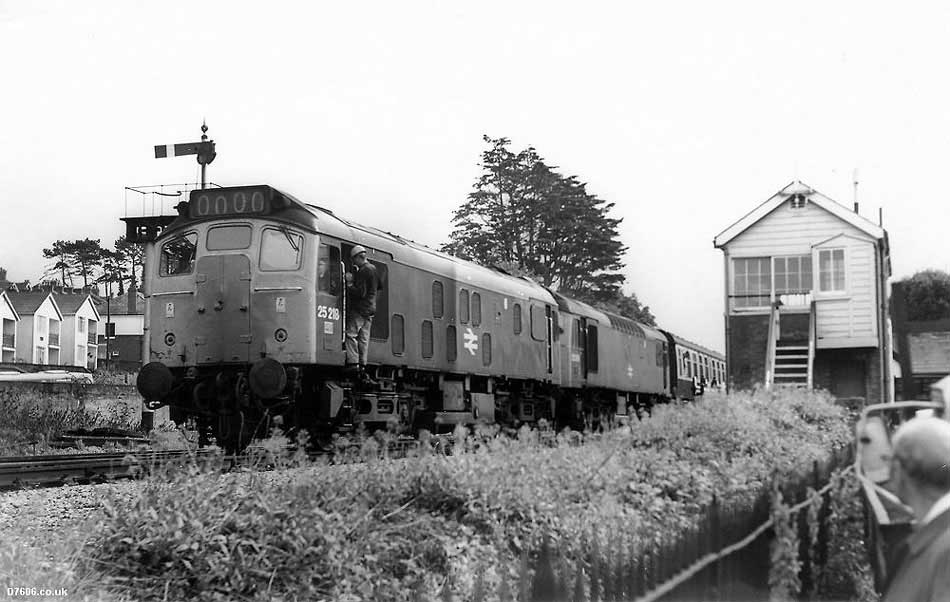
point(840, 211)
point(929, 352)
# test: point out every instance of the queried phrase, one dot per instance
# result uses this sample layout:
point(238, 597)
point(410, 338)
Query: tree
point(112, 269)
point(629, 306)
point(63, 262)
point(88, 255)
point(927, 295)
point(523, 212)
point(132, 258)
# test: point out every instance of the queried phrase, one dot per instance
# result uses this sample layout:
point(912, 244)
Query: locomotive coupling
point(267, 378)
point(154, 381)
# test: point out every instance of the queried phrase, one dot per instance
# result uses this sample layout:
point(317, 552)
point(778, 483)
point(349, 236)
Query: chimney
point(856, 206)
point(3, 274)
point(133, 295)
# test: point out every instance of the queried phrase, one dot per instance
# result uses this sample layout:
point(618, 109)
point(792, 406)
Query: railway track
point(29, 471)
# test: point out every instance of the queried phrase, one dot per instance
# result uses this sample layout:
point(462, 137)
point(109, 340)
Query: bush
point(391, 529)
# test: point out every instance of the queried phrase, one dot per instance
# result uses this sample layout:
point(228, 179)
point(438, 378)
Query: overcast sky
point(686, 115)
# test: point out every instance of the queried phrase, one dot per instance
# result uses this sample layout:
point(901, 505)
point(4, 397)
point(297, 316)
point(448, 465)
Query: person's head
point(358, 255)
point(322, 265)
point(920, 463)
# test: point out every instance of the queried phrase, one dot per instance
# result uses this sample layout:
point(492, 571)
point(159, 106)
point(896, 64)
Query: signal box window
point(831, 270)
point(281, 250)
point(399, 334)
point(438, 300)
point(463, 306)
point(328, 270)
point(517, 318)
point(476, 309)
point(178, 255)
point(751, 282)
point(229, 238)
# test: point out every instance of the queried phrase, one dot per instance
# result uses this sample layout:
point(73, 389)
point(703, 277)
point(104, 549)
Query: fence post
point(544, 586)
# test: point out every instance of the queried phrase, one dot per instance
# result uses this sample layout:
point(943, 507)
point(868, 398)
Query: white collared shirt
point(939, 507)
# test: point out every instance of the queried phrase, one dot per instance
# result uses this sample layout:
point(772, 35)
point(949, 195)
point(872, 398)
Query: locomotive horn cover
point(154, 381)
point(268, 378)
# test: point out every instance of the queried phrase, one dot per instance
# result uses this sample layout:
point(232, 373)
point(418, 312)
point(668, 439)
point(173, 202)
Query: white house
point(39, 328)
point(80, 325)
point(8, 318)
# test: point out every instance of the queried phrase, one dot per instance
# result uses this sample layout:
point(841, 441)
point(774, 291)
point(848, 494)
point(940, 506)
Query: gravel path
point(40, 516)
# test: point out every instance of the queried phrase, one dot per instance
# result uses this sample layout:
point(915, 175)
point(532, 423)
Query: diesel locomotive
point(246, 311)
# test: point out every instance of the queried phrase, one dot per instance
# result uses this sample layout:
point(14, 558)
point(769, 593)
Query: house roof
point(840, 211)
point(27, 302)
point(5, 299)
point(69, 303)
point(929, 352)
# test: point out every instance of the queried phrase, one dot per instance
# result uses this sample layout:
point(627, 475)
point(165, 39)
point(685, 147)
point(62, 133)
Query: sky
point(686, 115)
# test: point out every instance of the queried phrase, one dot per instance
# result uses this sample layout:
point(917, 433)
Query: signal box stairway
point(790, 358)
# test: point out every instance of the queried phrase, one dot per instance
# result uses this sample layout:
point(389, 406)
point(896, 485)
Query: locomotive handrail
point(261, 289)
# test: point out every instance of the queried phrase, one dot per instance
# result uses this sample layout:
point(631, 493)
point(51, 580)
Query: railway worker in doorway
point(362, 287)
point(920, 476)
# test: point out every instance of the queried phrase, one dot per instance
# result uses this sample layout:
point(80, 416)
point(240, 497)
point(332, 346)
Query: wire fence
point(724, 557)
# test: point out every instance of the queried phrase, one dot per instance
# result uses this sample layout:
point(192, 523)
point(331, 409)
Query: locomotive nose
point(154, 381)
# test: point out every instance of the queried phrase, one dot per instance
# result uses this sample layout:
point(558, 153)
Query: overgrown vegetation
point(401, 529)
point(31, 418)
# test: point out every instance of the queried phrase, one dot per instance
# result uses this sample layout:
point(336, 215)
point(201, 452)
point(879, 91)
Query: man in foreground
point(920, 477)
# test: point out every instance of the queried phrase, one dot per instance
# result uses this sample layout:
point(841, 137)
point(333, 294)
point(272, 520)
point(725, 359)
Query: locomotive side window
point(591, 348)
point(281, 249)
point(463, 306)
point(178, 255)
point(328, 270)
point(229, 238)
point(427, 339)
point(516, 311)
point(399, 334)
point(438, 300)
point(476, 309)
point(539, 323)
point(486, 349)
point(451, 344)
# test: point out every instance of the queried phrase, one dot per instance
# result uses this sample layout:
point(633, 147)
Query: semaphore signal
point(204, 149)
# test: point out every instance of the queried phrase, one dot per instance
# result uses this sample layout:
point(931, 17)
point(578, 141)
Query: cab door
point(223, 325)
point(330, 298)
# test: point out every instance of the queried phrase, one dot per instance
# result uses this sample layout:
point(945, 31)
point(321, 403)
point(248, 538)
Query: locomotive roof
point(420, 256)
point(694, 346)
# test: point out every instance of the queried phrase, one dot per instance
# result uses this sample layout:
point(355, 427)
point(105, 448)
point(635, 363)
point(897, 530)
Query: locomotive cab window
point(281, 250)
point(228, 238)
point(178, 255)
point(328, 270)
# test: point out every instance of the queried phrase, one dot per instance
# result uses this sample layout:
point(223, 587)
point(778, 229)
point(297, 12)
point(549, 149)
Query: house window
point(751, 282)
point(831, 270)
point(793, 275)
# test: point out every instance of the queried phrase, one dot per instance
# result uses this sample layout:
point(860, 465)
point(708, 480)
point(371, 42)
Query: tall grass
point(396, 529)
